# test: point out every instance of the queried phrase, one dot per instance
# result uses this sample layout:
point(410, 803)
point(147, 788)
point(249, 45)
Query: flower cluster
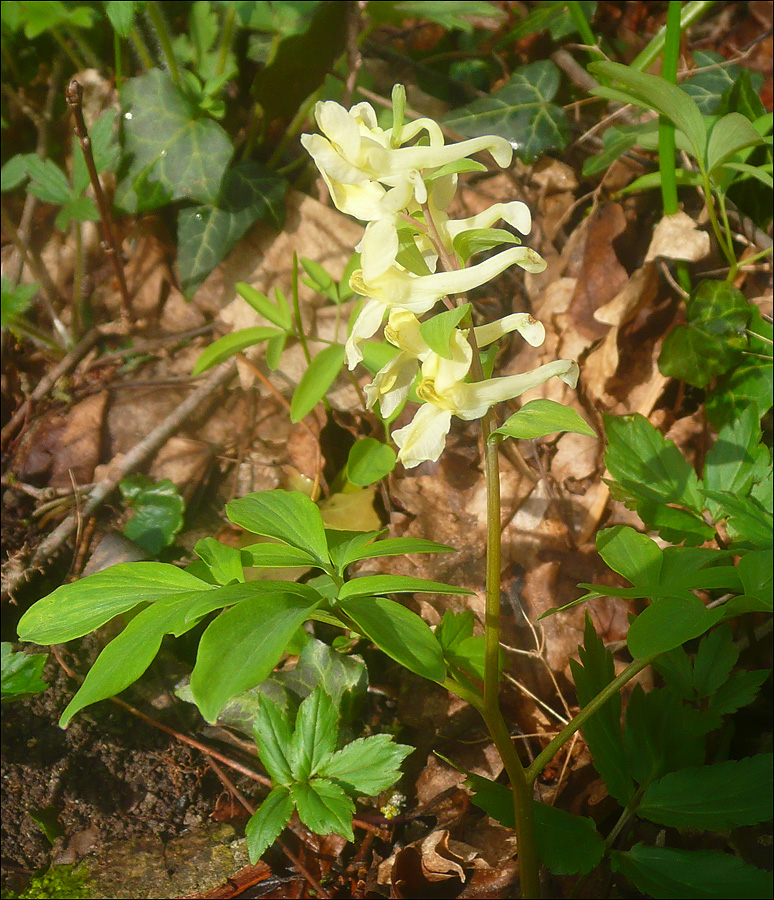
point(400, 182)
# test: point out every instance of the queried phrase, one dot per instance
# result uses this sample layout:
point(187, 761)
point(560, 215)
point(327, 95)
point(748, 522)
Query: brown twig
point(48, 381)
point(40, 273)
point(74, 97)
point(354, 56)
point(116, 472)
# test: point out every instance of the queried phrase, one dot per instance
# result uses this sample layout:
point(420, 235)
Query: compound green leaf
point(647, 465)
point(668, 623)
point(315, 735)
point(324, 807)
point(521, 111)
point(566, 844)
point(602, 731)
point(273, 735)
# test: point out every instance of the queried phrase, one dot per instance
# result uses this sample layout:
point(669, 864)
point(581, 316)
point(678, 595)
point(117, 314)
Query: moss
point(66, 882)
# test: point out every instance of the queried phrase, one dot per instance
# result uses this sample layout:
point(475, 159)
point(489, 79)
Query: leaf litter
point(602, 300)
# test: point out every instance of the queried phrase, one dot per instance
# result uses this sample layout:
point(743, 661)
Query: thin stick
point(48, 381)
point(74, 97)
point(136, 457)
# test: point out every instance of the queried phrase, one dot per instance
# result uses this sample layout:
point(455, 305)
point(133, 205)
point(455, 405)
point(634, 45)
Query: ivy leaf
point(159, 510)
point(206, 234)
point(713, 339)
point(667, 874)
point(521, 111)
point(175, 154)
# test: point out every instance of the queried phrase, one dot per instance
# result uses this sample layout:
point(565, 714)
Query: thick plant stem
point(523, 800)
point(666, 130)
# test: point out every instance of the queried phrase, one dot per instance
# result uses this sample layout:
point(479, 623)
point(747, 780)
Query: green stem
point(225, 40)
point(166, 44)
point(79, 64)
point(666, 130)
point(297, 312)
point(118, 62)
point(590, 709)
point(523, 800)
point(690, 13)
point(724, 240)
point(584, 29)
point(141, 48)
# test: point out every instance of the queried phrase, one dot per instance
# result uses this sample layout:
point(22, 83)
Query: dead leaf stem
point(74, 97)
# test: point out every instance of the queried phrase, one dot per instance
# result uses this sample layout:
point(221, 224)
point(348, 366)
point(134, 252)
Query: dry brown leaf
point(678, 237)
point(601, 276)
point(80, 443)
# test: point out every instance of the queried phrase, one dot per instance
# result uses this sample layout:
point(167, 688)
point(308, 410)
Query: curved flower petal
point(392, 383)
point(419, 293)
point(472, 400)
point(530, 329)
point(424, 437)
point(514, 213)
point(364, 327)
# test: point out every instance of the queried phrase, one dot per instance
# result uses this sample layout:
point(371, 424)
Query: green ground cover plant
point(700, 562)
